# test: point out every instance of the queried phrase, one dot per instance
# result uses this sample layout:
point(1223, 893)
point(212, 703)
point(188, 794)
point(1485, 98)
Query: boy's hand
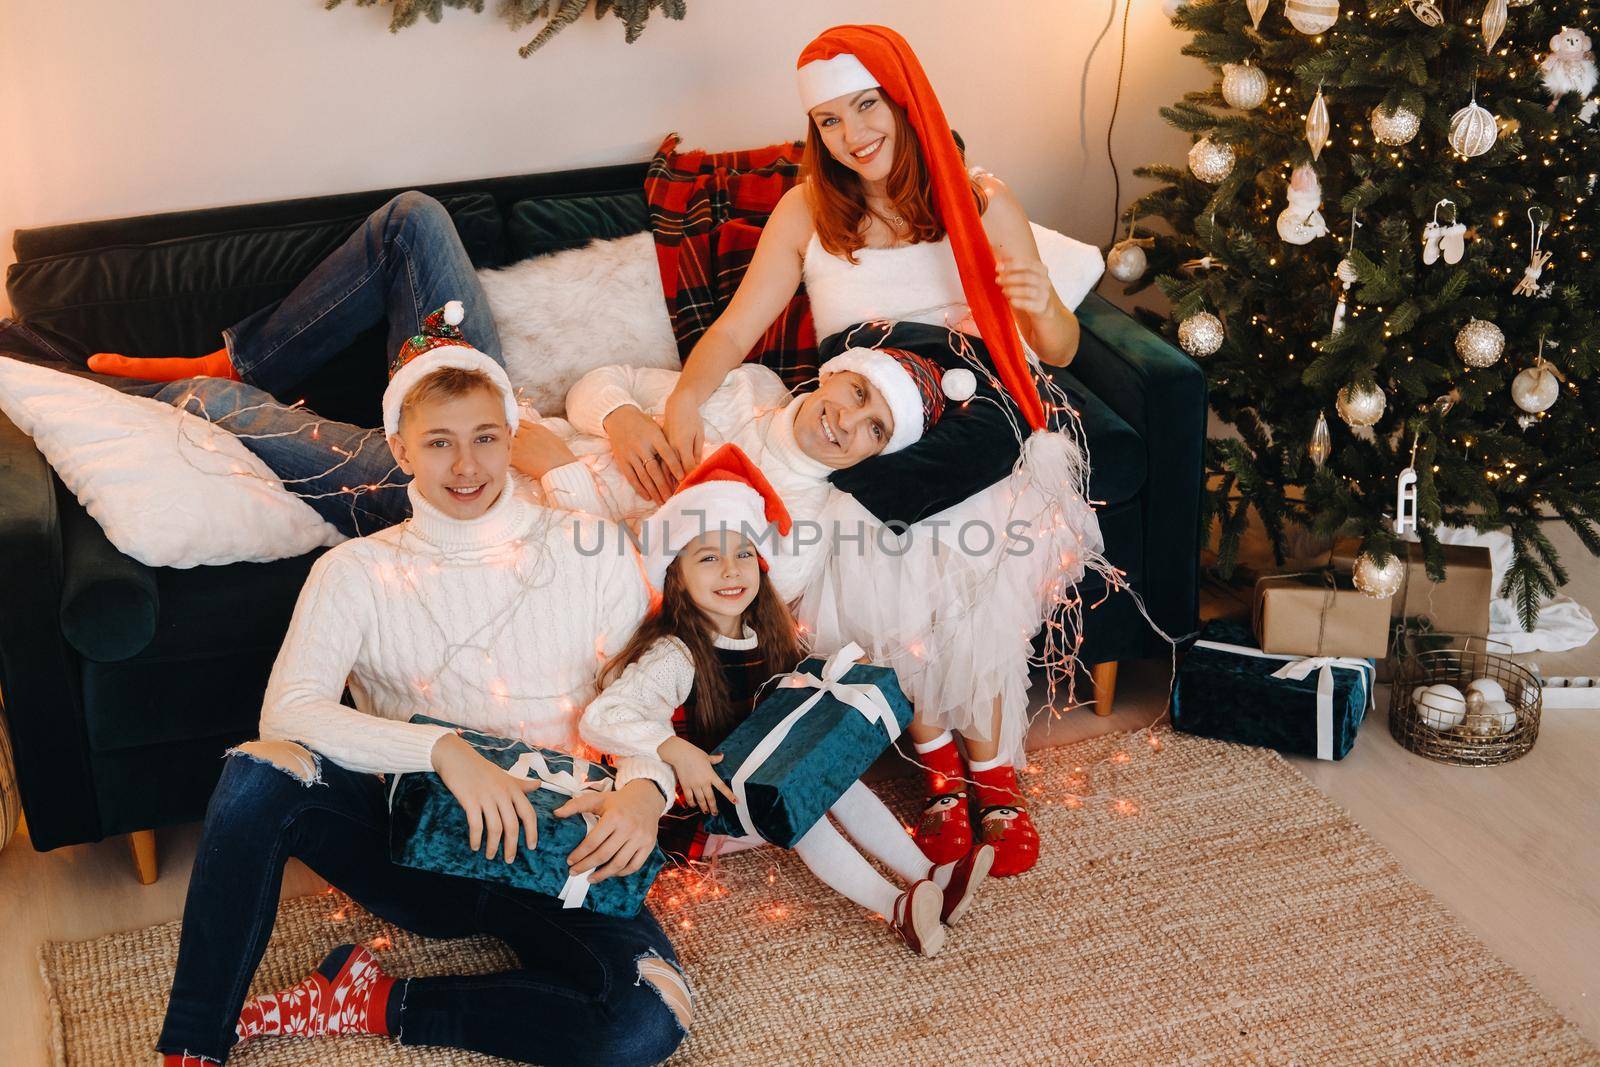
point(696, 778)
point(625, 833)
point(496, 803)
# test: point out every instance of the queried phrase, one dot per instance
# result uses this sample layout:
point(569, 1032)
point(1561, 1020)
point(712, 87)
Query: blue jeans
point(577, 997)
point(404, 262)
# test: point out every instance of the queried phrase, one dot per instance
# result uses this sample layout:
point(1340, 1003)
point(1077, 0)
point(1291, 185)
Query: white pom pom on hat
point(438, 346)
point(914, 412)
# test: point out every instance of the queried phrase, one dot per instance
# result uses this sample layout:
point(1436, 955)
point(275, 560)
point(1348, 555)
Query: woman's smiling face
point(858, 130)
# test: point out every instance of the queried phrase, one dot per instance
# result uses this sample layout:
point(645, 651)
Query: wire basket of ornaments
point(1469, 704)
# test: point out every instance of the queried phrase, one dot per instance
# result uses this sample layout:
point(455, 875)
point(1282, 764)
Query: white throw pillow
point(168, 488)
point(562, 315)
point(1074, 267)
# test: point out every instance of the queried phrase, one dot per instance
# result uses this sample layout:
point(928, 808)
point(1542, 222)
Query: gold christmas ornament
point(1472, 130)
point(1361, 405)
point(1394, 127)
point(1126, 261)
point(1441, 706)
point(1383, 582)
point(1321, 440)
point(1209, 161)
point(1535, 388)
point(1317, 125)
point(1243, 86)
point(1311, 17)
point(1257, 8)
point(1200, 334)
point(1480, 343)
point(1494, 23)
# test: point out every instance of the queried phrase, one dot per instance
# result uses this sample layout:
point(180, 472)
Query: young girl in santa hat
point(691, 672)
point(888, 225)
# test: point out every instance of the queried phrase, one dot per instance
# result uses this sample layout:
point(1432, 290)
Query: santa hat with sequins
point(438, 346)
point(725, 492)
point(848, 59)
point(914, 386)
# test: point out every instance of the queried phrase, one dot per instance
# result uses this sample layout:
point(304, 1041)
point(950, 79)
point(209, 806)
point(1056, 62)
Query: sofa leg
point(142, 843)
point(1105, 686)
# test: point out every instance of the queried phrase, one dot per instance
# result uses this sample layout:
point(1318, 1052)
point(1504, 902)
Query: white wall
point(113, 109)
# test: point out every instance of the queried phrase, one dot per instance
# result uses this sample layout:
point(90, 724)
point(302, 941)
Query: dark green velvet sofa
point(123, 684)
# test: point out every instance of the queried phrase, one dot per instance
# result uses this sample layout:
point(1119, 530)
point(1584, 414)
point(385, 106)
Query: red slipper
point(916, 918)
point(969, 873)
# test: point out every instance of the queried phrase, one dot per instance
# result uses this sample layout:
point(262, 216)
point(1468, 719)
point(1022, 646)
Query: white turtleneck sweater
point(750, 409)
point(498, 624)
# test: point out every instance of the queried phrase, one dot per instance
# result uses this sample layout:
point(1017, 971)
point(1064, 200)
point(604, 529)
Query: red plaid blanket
point(707, 210)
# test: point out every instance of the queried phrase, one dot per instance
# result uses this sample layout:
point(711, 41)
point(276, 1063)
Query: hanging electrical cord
point(1116, 101)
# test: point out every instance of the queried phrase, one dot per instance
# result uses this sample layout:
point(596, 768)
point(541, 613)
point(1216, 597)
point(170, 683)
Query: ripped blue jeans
point(579, 996)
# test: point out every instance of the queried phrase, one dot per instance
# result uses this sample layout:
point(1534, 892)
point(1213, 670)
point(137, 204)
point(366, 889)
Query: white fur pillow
point(168, 488)
point(562, 315)
point(1074, 267)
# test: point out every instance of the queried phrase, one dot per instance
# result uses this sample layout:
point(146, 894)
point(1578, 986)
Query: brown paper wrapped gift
point(1317, 613)
point(1458, 605)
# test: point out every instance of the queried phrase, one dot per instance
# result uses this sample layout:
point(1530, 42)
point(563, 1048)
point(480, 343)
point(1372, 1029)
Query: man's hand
point(685, 429)
point(650, 464)
point(625, 833)
point(696, 777)
point(496, 803)
point(536, 450)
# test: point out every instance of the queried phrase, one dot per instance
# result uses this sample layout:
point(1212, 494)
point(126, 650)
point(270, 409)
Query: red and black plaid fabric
point(706, 211)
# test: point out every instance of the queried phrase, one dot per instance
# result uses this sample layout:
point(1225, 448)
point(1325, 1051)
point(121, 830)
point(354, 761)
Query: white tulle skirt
point(953, 602)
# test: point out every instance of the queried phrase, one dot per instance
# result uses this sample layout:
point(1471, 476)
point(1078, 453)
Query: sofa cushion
point(541, 225)
point(1117, 462)
point(175, 297)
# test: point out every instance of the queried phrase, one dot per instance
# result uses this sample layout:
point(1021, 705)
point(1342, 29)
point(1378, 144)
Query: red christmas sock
point(179, 1059)
point(347, 994)
point(166, 369)
point(1004, 822)
point(944, 833)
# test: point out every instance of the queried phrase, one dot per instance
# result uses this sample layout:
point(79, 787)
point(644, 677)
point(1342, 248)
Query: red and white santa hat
point(725, 492)
point(848, 59)
point(914, 386)
point(438, 346)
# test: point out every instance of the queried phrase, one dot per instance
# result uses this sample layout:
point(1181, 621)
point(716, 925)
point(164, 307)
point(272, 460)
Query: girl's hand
point(696, 778)
point(650, 464)
point(1026, 284)
point(537, 450)
point(625, 833)
point(496, 803)
point(685, 429)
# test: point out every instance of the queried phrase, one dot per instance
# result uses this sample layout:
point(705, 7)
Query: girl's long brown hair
point(710, 712)
point(838, 207)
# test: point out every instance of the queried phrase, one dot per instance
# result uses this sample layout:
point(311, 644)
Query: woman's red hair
point(838, 207)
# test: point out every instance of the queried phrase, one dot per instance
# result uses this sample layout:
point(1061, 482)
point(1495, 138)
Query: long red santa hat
point(848, 59)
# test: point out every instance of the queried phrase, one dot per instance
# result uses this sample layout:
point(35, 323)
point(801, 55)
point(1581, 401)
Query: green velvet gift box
point(1229, 690)
point(807, 742)
point(428, 829)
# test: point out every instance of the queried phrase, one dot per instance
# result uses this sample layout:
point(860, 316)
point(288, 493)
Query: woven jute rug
point(1205, 904)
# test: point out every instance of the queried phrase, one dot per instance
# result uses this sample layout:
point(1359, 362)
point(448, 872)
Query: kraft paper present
point(1458, 605)
point(1318, 613)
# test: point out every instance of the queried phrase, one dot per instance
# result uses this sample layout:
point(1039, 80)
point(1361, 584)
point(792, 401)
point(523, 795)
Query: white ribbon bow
point(867, 699)
point(1297, 668)
point(569, 783)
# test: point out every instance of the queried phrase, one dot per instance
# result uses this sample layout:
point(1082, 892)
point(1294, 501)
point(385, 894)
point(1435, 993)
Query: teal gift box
point(1228, 689)
point(428, 829)
point(807, 742)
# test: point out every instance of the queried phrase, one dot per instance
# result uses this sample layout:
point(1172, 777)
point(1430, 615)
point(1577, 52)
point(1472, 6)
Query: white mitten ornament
point(1302, 222)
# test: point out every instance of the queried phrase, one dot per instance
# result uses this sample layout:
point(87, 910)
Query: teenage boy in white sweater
point(484, 610)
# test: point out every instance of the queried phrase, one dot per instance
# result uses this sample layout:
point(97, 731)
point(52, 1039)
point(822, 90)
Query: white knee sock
point(840, 867)
point(874, 827)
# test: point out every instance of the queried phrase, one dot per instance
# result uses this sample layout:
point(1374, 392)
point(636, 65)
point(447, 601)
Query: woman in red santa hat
point(889, 225)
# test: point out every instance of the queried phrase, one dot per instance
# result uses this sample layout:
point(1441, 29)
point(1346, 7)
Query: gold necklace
point(894, 220)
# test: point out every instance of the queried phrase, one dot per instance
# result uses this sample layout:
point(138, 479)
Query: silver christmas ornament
point(1243, 86)
point(1126, 261)
point(1472, 130)
point(1480, 343)
point(1382, 581)
point(1427, 12)
point(1321, 440)
point(1361, 406)
point(1311, 17)
point(1200, 334)
point(1317, 125)
point(1346, 272)
point(1394, 127)
point(1527, 421)
point(1535, 388)
point(1209, 161)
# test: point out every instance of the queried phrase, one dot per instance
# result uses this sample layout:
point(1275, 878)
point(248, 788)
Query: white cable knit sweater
point(751, 409)
point(498, 624)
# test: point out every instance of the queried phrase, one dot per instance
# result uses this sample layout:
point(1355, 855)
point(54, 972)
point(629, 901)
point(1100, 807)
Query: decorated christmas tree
point(1381, 254)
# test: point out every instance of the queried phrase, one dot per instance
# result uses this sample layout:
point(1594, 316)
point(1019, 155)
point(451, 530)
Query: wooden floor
point(1513, 850)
